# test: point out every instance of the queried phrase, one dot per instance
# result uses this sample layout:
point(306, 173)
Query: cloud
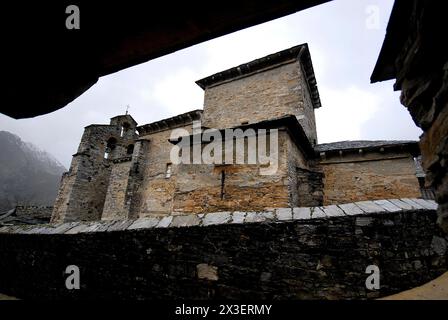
point(176, 92)
point(246, 45)
point(391, 120)
point(343, 113)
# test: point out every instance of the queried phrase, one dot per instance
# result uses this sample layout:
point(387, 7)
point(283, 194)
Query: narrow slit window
point(223, 181)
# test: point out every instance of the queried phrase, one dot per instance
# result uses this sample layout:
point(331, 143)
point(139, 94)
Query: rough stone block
point(265, 276)
point(268, 215)
point(104, 225)
point(21, 228)
point(401, 204)
point(93, 227)
point(333, 211)
point(434, 204)
point(439, 245)
point(426, 204)
point(302, 213)
point(238, 217)
point(216, 218)
point(186, 221)
point(144, 223)
point(207, 272)
point(389, 206)
point(363, 221)
point(317, 213)
point(76, 229)
point(369, 206)
point(120, 225)
point(164, 222)
point(412, 203)
point(36, 230)
point(254, 217)
point(4, 229)
point(64, 227)
point(283, 214)
point(351, 209)
point(46, 230)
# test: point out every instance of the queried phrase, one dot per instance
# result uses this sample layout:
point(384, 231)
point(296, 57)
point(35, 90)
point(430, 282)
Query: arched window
point(124, 127)
point(130, 149)
point(110, 146)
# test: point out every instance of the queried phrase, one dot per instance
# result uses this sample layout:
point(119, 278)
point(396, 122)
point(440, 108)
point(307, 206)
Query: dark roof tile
point(361, 144)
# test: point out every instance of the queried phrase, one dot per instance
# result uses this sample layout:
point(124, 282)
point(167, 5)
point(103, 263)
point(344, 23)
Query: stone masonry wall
point(264, 95)
point(422, 76)
point(200, 188)
point(300, 253)
point(156, 191)
point(296, 162)
point(309, 187)
point(115, 202)
point(42, 213)
point(83, 188)
point(206, 188)
point(351, 179)
point(133, 198)
point(62, 199)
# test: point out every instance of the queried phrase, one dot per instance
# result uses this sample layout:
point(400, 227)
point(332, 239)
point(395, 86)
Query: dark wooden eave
point(417, 28)
point(46, 66)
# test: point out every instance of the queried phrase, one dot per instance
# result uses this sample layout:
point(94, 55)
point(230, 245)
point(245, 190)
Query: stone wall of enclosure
point(300, 253)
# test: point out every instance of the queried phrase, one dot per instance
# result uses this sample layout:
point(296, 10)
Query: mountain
point(28, 175)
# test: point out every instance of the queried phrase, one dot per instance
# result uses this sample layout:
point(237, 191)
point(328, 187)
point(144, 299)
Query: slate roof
point(165, 124)
point(362, 144)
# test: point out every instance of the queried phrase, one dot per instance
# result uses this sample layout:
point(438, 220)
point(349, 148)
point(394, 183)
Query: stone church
point(125, 171)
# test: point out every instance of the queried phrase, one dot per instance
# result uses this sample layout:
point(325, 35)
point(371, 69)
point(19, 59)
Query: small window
point(130, 149)
point(168, 170)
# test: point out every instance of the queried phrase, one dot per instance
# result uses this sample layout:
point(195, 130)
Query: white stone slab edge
point(277, 215)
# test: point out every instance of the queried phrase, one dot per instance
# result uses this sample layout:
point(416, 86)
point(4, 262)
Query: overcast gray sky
point(344, 43)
